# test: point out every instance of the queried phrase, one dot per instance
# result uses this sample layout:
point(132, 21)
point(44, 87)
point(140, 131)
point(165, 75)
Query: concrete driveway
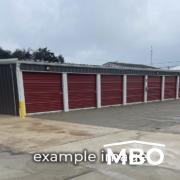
point(33, 134)
point(90, 129)
point(159, 116)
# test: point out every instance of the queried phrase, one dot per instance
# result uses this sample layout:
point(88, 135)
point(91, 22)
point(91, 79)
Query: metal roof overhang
point(8, 61)
point(90, 69)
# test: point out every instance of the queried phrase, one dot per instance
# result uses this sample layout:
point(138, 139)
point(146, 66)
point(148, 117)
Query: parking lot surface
point(158, 116)
point(90, 129)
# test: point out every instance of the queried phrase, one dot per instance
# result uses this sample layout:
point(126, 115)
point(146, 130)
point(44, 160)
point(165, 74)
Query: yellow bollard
point(22, 109)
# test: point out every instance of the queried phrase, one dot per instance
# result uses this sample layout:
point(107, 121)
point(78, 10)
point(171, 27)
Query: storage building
point(28, 87)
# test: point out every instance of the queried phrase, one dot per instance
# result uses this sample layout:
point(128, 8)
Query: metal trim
point(93, 70)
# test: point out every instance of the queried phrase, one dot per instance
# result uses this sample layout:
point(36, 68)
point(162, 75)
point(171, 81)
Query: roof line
point(90, 66)
point(9, 61)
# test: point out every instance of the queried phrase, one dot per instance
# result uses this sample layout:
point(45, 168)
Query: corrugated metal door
point(179, 87)
point(9, 102)
point(82, 90)
point(43, 92)
point(135, 89)
point(111, 90)
point(170, 87)
point(154, 88)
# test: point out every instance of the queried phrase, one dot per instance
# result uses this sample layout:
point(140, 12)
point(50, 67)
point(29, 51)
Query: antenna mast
point(151, 56)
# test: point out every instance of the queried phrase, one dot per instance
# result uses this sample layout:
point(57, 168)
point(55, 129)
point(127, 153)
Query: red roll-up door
point(135, 89)
point(82, 90)
point(111, 90)
point(43, 92)
point(170, 87)
point(154, 88)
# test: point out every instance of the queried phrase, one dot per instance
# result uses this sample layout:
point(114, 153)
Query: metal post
point(177, 88)
point(22, 107)
point(65, 92)
point(145, 88)
point(98, 90)
point(162, 88)
point(124, 89)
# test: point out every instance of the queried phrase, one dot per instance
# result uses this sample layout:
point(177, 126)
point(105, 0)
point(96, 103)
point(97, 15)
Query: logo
point(144, 152)
point(134, 156)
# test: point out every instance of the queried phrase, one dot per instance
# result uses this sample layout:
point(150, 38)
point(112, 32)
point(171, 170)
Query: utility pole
point(151, 52)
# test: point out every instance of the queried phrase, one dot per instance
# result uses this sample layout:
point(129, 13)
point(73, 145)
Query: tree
point(41, 54)
point(46, 55)
point(60, 59)
point(22, 54)
point(4, 54)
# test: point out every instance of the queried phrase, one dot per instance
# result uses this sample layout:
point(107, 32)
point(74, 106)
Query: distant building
point(174, 68)
point(127, 65)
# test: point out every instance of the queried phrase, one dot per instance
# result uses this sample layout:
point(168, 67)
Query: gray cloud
point(94, 31)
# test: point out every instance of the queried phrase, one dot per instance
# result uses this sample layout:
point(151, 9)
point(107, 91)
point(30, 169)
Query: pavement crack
point(81, 174)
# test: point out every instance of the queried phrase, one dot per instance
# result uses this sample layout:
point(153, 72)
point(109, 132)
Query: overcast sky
point(94, 31)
